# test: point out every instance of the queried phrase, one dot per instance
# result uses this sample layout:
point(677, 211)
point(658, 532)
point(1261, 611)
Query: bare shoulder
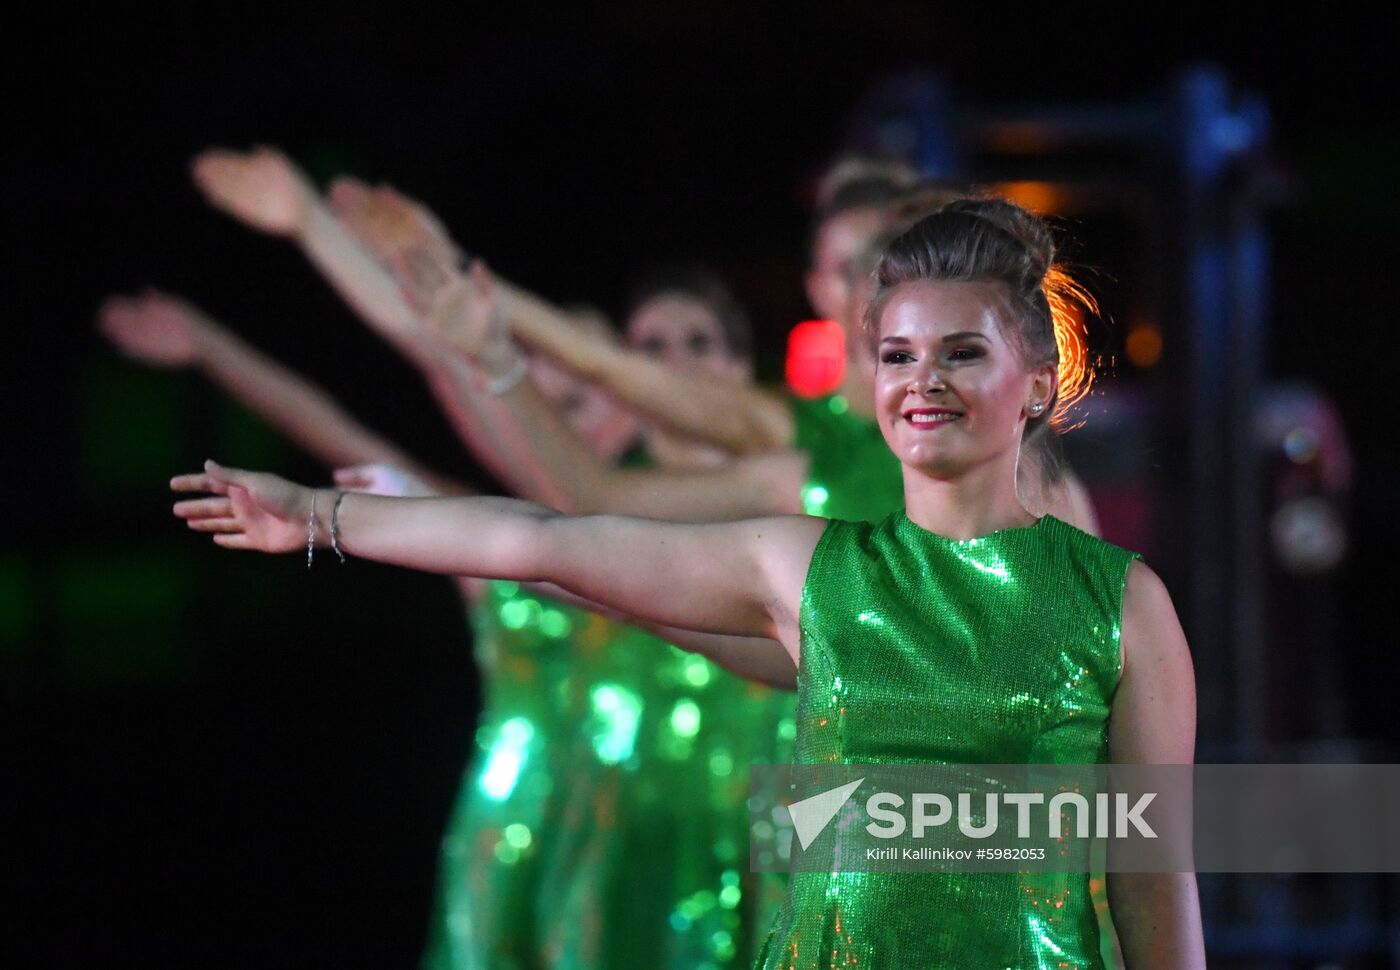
point(1144, 593)
point(1152, 634)
point(1154, 708)
point(789, 539)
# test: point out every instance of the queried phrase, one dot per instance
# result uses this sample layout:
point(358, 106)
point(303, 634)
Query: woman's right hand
point(246, 510)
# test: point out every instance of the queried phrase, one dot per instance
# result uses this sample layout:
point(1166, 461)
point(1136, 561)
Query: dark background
point(220, 761)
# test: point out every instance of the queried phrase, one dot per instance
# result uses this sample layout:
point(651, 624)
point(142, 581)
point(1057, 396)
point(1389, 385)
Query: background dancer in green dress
point(640, 715)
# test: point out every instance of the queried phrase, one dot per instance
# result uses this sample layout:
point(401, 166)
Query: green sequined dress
point(852, 473)
point(492, 857)
point(603, 820)
point(921, 649)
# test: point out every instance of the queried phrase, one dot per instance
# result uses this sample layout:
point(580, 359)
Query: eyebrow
point(960, 335)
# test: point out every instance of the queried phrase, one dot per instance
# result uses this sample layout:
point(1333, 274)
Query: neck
point(976, 503)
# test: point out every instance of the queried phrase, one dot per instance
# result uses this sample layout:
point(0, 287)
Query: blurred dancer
point(682, 732)
point(545, 826)
point(667, 712)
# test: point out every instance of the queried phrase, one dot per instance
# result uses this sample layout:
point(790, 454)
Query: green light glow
point(685, 718)
point(618, 712)
point(555, 624)
point(507, 758)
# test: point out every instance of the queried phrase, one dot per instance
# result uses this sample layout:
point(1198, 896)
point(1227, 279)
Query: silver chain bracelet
point(311, 530)
point(335, 529)
point(335, 526)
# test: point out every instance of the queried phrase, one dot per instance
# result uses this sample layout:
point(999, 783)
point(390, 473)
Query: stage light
point(1144, 345)
point(816, 358)
point(1042, 198)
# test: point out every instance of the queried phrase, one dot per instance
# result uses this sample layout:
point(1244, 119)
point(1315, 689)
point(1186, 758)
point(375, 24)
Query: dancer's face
point(944, 350)
point(685, 334)
point(594, 415)
point(839, 240)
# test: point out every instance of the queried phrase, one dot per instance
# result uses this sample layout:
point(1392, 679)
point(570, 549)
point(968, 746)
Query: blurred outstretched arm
point(463, 309)
point(741, 420)
point(266, 192)
point(162, 330)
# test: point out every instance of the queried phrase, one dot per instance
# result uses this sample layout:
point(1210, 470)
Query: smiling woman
point(949, 375)
point(1015, 321)
point(1068, 652)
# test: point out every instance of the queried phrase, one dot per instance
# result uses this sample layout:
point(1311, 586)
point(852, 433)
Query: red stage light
point(816, 358)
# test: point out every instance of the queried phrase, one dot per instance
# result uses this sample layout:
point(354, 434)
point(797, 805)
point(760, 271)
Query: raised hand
point(390, 223)
point(458, 307)
point(246, 510)
point(154, 328)
point(260, 188)
point(381, 479)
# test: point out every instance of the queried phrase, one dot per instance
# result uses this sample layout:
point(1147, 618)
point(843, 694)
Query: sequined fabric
point(853, 474)
point(603, 820)
point(492, 856)
point(917, 648)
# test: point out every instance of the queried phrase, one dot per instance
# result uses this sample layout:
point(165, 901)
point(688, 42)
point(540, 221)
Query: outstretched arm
point(551, 464)
point(740, 578)
point(754, 657)
point(265, 191)
point(742, 420)
point(1158, 915)
point(162, 330)
point(738, 418)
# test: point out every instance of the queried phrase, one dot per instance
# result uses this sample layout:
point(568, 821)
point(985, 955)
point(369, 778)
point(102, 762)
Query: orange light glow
point(1069, 303)
point(1144, 345)
point(1042, 198)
